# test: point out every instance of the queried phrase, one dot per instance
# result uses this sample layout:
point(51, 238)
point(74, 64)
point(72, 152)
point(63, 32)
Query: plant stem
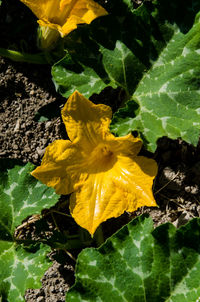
point(23, 57)
point(85, 238)
point(99, 236)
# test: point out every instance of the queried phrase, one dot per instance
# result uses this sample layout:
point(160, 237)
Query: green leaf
point(168, 95)
point(86, 66)
point(67, 80)
point(136, 35)
point(122, 67)
point(138, 264)
point(21, 195)
point(129, 4)
point(21, 269)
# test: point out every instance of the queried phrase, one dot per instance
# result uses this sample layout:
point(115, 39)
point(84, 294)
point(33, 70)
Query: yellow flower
point(103, 172)
point(64, 15)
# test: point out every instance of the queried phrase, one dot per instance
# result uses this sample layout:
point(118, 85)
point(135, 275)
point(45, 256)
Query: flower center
point(106, 151)
point(102, 158)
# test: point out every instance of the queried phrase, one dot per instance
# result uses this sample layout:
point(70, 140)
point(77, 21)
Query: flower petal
point(70, 24)
point(96, 201)
point(65, 15)
point(127, 145)
point(43, 8)
point(60, 167)
point(86, 122)
point(125, 187)
point(135, 177)
point(86, 10)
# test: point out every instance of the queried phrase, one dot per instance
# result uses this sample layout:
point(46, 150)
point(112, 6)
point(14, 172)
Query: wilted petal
point(86, 122)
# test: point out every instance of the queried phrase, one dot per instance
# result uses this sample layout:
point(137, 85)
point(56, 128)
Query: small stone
point(37, 292)
point(52, 289)
point(27, 150)
point(192, 208)
point(36, 156)
point(29, 133)
point(15, 147)
point(17, 126)
point(40, 299)
point(40, 151)
point(32, 92)
point(48, 125)
point(8, 132)
point(192, 189)
point(44, 141)
point(3, 153)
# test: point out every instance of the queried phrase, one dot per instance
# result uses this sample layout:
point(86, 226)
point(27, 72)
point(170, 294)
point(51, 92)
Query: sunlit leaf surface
point(139, 264)
point(20, 196)
point(167, 99)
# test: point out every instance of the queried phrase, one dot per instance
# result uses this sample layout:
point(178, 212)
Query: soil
point(27, 93)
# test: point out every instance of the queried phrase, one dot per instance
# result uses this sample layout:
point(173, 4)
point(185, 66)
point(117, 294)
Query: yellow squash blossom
point(103, 172)
point(63, 16)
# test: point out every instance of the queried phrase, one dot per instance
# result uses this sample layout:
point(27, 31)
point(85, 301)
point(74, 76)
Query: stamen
point(106, 151)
